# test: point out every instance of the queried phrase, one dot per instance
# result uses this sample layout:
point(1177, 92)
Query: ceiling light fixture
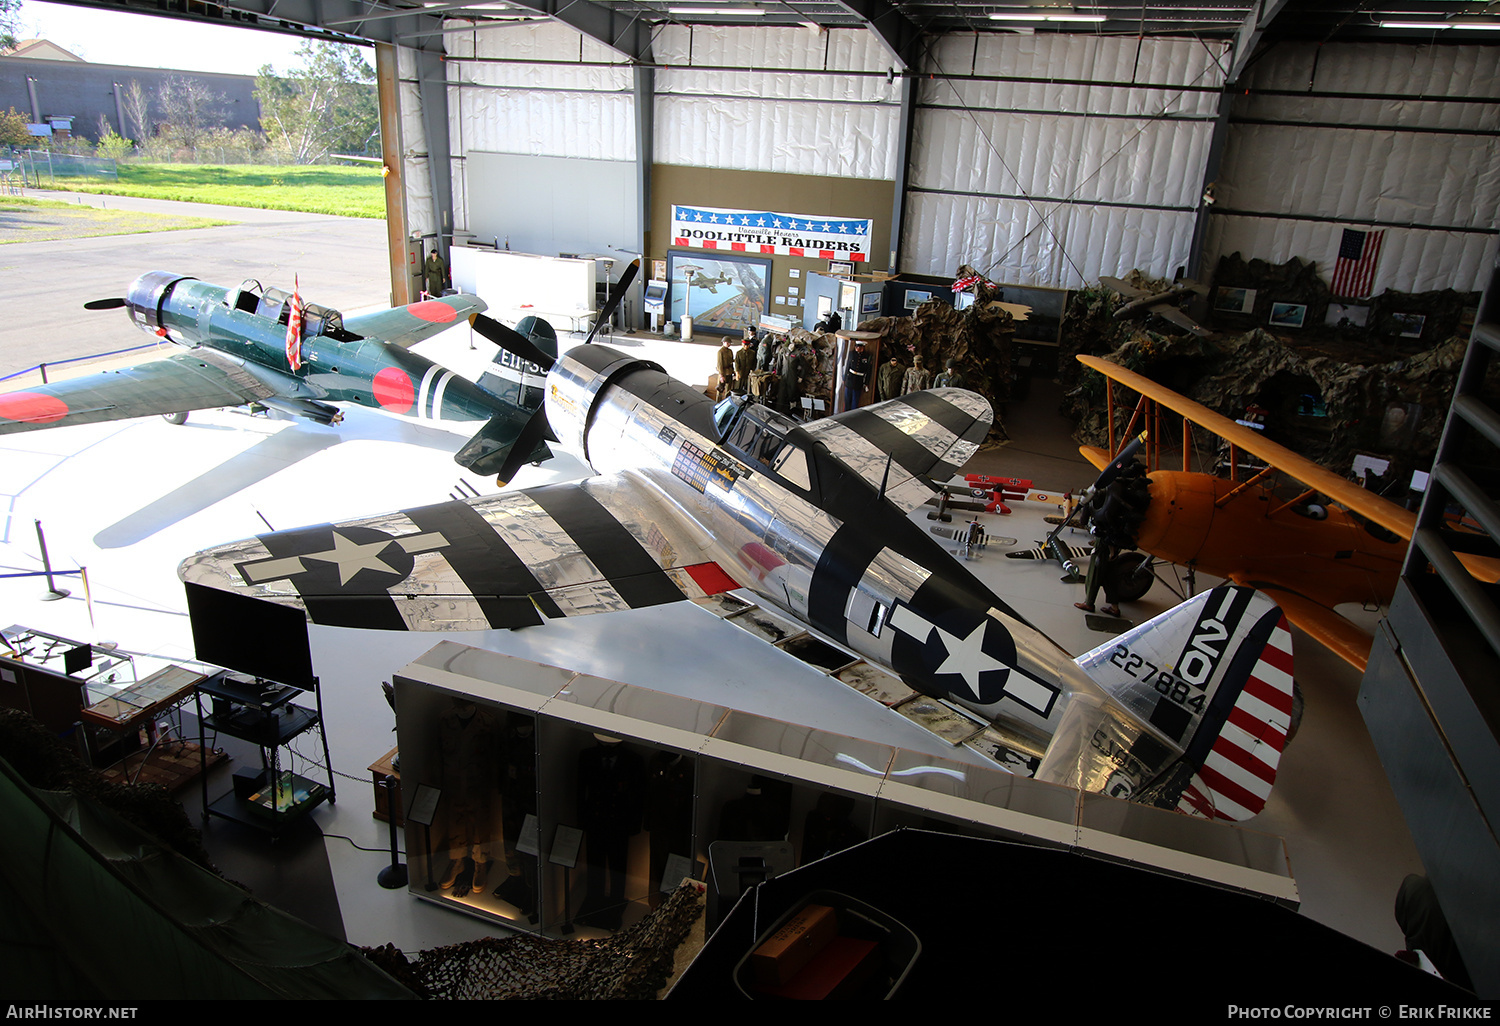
point(1469, 24)
point(1043, 15)
point(728, 12)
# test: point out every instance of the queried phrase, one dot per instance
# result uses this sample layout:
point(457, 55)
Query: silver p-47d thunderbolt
point(1187, 711)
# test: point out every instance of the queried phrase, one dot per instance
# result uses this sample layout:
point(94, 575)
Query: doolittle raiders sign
point(764, 231)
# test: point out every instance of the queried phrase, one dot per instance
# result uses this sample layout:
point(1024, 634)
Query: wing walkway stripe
point(909, 453)
point(500, 582)
point(954, 418)
point(628, 567)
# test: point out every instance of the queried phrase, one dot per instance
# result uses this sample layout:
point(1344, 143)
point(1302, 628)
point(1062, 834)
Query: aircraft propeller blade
point(615, 295)
point(1122, 460)
point(536, 431)
point(511, 341)
point(104, 304)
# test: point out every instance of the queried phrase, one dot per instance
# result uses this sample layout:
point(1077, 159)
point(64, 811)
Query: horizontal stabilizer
point(487, 452)
point(1213, 678)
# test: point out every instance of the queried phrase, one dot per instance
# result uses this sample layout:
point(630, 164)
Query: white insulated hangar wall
point(1042, 160)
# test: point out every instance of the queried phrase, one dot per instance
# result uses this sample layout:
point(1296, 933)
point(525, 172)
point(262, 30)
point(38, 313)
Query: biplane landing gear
point(1131, 572)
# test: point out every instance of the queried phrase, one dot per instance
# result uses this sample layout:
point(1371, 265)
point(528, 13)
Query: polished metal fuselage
point(891, 600)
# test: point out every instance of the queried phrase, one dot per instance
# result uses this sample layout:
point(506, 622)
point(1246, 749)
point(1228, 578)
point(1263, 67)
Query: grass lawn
point(23, 219)
point(313, 189)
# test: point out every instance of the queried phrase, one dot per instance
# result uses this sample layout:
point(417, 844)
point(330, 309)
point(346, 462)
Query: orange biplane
point(1305, 552)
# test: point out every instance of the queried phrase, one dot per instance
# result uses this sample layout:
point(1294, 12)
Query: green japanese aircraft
point(253, 344)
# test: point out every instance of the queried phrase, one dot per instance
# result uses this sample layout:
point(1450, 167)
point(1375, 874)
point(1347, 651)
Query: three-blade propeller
point(104, 304)
point(537, 430)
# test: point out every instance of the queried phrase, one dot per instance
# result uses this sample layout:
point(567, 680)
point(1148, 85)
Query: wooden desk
point(379, 770)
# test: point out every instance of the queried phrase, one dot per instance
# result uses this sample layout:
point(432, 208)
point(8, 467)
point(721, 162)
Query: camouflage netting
point(1328, 393)
point(46, 763)
point(634, 964)
point(977, 339)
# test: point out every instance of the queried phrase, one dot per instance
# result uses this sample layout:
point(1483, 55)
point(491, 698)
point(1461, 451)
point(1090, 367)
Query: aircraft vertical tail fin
point(518, 373)
point(1213, 678)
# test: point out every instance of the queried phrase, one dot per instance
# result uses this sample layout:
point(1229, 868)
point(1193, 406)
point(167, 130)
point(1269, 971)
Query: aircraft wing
point(1123, 288)
point(1345, 639)
point(902, 443)
point(1173, 313)
point(1346, 493)
point(507, 560)
point(405, 326)
point(198, 379)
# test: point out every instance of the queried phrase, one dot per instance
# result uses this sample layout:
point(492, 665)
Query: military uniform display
point(726, 369)
point(435, 274)
point(889, 382)
point(744, 363)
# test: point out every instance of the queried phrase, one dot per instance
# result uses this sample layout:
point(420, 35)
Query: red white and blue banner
point(767, 232)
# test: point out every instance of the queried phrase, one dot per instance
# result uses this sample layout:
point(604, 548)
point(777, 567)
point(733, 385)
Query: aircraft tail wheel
point(1132, 574)
point(174, 418)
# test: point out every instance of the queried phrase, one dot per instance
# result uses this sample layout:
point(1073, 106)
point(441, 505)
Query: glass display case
point(568, 804)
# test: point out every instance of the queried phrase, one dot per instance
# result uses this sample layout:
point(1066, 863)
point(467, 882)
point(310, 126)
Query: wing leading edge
point(510, 560)
point(196, 380)
point(405, 326)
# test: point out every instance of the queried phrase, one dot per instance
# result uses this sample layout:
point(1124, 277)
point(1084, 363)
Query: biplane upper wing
point(900, 445)
point(1346, 493)
point(199, 379)
point(508, 560)
point(405, 326)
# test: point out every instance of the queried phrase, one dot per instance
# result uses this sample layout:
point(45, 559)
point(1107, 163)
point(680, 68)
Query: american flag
point(968, 281)
point(294, 328)
point(1354, 270)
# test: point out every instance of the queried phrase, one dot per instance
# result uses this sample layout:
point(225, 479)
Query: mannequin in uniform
point(916, 379)
point(467, 737)
point(726, 368)
point(518, 799)
point(611, 799)
point(856, 374)
point(891, 376)
point(744, 363)
point(669, 812)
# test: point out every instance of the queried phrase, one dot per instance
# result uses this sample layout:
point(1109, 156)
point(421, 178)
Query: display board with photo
point(723, 294)
point(1288, 315)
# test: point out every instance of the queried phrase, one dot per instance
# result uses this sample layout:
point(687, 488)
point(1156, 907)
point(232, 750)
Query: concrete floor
point(129, 500)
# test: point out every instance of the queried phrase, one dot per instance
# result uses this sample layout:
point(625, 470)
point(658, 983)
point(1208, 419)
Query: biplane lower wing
point(1342, 637)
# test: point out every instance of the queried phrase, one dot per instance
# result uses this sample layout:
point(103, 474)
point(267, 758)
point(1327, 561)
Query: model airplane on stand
point(253, 344)
point(1162, 304)
point(694, 498)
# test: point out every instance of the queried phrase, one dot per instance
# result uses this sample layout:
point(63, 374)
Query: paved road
point(340, 262)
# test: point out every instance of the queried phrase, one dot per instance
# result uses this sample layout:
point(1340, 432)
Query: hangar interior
point(1041, 146)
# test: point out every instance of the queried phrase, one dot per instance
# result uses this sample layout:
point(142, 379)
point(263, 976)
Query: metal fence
point(42, 168)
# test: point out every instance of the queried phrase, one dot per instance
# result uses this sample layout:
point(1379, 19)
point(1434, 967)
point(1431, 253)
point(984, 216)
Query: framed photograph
point(659, 270)
point(869, 303)
point(1287, 315)
point(1346, 315)
point(848, 297)
point(1410, 324)
point(843, 267)
point(915, 299)
point(723, 294)
point(1234, 300)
